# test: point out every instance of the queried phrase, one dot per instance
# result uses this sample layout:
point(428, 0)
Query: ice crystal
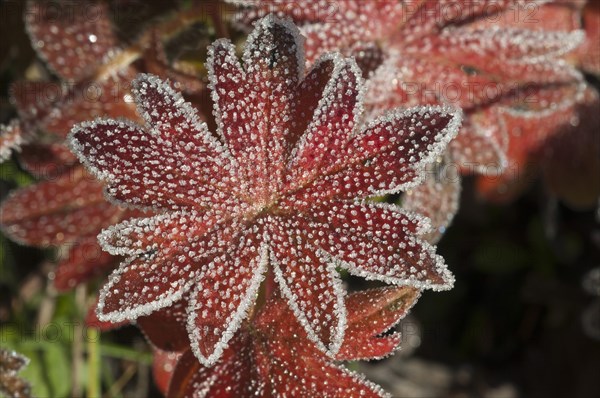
point(269, 356)
point(482, 56)
point(10, 383)
point(92, 321)
point(11, 138)
point(284, 183)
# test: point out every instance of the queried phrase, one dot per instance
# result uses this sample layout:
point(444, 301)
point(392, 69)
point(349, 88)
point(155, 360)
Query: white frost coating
point(174, 102)
point(174, 164)
point(328, 99)
point(440, 267)
point(337, 338)
point(86, 128)
point(361, 379)
point(176, 106)
point(379, 248)
point(434, 150)
point(518, 44)
point(262, 26)
point(252, 106)
point(563, 105)
point(235, 319)
point(119, 233)
point(244, 3)
point(133, 312)
point(424, 223)
point(153, 172)
point(11, 139)
point(94, 162)
point(232, 61)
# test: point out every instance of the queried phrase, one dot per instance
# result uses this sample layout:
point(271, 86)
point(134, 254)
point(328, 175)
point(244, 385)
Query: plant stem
point(93, 351)
point(115, 351)
point(77, 344)
point(116, 388)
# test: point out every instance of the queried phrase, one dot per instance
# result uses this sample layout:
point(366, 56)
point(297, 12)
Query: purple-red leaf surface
point(269, 356)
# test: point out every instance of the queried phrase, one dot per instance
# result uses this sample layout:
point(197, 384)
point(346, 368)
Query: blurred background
point(523, 319)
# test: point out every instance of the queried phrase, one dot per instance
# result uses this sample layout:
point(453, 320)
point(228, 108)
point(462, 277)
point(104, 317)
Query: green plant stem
point(114, 351)
point(93, 351)
point(77, 345)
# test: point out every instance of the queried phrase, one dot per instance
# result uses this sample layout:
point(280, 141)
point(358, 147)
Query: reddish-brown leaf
point(371, 313)
point(57, 211)
point(72, 37)
point(81, 262)
point(226, 201)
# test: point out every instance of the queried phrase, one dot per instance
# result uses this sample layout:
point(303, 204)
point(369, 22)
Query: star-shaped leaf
point(274, 189)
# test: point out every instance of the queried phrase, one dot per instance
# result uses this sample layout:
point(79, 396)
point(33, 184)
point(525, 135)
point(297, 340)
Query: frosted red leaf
point(370, 314)
point(329, 26)
point(73, 37)
point(567, 150)
point(68, 210)
point(271, 189)
point(437, 198)
point(482, 56)
point(270, 356)
point(77, 41)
